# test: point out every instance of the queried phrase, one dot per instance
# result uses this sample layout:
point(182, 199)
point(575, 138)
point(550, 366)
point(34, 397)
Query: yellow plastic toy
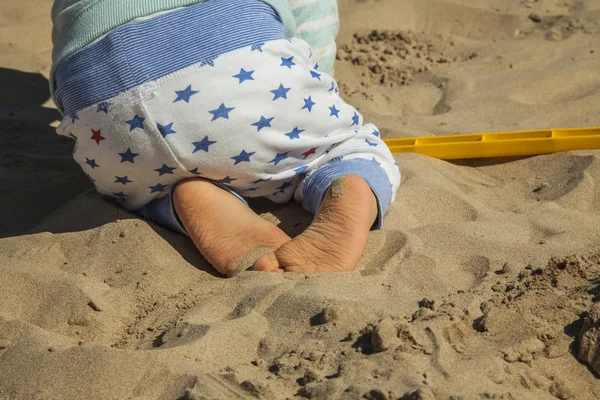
point(500, 144)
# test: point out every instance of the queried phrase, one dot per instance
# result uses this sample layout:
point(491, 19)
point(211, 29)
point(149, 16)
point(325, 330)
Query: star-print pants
point(259, 121)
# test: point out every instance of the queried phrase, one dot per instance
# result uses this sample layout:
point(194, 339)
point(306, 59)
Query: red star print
point(309, 152)
point(97, 136)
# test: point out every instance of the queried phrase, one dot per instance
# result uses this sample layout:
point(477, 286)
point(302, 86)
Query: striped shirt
point(78, 23)
point(317, 23)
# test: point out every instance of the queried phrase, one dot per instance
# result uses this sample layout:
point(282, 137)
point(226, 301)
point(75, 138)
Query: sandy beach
point(483, 284)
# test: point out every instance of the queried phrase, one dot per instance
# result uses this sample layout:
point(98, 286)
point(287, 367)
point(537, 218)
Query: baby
point(181, 109)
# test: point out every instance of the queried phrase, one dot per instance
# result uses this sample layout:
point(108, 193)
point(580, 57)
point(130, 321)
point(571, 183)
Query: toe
point(267, 263)
point(303, 255)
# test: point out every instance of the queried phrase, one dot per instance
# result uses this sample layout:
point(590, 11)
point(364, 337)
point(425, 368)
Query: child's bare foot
point(228, 234)
point(336, 239)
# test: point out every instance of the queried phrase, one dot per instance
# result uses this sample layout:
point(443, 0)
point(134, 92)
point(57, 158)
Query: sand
point(484, 283)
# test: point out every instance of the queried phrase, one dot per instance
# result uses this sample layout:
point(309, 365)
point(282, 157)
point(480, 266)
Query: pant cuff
point(162, 211)
point(318, 183)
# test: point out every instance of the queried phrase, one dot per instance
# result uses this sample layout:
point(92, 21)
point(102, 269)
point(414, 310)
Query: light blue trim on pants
point(318, 183)
point(140, 52)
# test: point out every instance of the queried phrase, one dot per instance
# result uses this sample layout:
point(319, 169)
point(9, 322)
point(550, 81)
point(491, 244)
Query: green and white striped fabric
point(317, 23)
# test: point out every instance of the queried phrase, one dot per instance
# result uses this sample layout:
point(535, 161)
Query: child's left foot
point(228, 233)
point(336, 239)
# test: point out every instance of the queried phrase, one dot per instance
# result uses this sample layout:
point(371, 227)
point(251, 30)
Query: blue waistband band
point(142, 51)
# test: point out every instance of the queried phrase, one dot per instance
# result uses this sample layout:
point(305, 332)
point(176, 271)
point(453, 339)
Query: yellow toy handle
point(500, 144)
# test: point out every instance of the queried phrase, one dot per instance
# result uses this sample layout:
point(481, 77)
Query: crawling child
point(181, 109)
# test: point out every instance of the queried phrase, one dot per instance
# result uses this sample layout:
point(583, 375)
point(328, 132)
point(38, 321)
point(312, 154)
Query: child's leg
point(227, 232)
point(349, 196)
point(337, 237)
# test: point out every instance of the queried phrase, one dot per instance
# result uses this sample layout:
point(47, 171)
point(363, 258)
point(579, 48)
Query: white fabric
point(248, 121)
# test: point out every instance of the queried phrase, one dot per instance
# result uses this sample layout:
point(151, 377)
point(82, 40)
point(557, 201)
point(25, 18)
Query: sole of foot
point(338, 235)
point(230, 236)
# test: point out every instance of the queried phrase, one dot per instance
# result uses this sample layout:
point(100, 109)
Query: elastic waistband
point(143, 51)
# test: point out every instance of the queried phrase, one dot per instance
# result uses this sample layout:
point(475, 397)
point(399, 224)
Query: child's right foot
point(227, 233)
point(337, 237)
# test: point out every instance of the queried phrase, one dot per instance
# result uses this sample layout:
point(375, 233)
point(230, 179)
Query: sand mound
point(484, 283)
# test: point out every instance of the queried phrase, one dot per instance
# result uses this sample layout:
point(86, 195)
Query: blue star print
point(334, 112)
point(91, 163)
point(221, 112)
point(128, 156)
point(136, 122)
point(227, 180)
point(279, 157)
point(73, 117)
point(308, 104)
point(280, 92)
point(263, 123)
point(372, 144)
point(166, 129)
point(103, 107)
point(243, 157)
point(184, 95)
point(355, 119)
point(122, 179)
point(315, 75)
point(258, 47)
point(204, 144)
point(261, 181)
point(119, 195)
point(244, 76)
point(158, 188)
point(284, 186)
point(316, 66)
point(195, 171)
point(295, 133)
point(332, 87)
point(287, 62)
point(209, 61)
point(376, 132)
point(165, 170)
